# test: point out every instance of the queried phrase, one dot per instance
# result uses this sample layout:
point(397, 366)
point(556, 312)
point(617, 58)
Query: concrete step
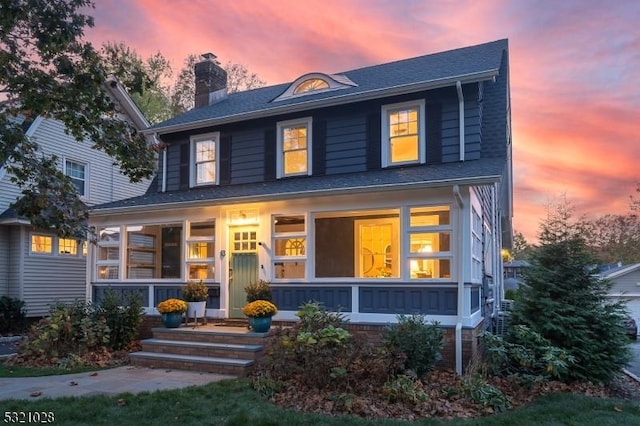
point(207, 349)
point(232, 335)
point(208, 364)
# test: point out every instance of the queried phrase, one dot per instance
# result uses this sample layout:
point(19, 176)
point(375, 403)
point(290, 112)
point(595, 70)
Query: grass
point(17, 371)
point(233, 402)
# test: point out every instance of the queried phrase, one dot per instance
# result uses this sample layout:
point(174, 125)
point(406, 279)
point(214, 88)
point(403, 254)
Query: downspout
point(461, 117)
point(164, 164)
point(459, 227)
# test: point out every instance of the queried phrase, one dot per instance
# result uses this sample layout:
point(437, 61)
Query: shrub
point(481, 392)
point(260, 290)
point(526, 355)
point(70, 329)
point(404, 388)
point(195, 291)
point(13, 316)
point(123, 317)
point(314, 317)
point(569, 306)
point(419, 342)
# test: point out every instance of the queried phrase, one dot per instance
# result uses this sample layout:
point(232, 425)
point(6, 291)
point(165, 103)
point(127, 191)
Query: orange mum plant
point(171, 306)
point(259, 308)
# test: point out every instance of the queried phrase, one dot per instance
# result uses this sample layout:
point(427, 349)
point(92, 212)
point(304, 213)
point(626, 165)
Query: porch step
point(224, 350)
point(207, 348)
point(205, 364)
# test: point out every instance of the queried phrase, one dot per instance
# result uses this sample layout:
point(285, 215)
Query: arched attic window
point(314, 83)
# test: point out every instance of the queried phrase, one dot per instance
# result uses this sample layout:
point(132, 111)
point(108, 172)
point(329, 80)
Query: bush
point(195, 291)
point(13, 316)
point(76, 329)
point(526, 355)
point(419, 342)
point(123, 317)
point(318, 353)
point(481, 392)
point(569, 306)
point(260, 290)
point(404, 388)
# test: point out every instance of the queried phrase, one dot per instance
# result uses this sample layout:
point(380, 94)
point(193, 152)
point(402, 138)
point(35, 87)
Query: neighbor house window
point(201, 250)
point(67, 246)
point(108, 253)
point(41, 244)
point(289, 246)
point(77, 173)
point(429, 242)
point(403, 133)
point(294, 147)
point(204, 154)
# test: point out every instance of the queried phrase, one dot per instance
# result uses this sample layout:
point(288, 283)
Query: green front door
point(243, 267)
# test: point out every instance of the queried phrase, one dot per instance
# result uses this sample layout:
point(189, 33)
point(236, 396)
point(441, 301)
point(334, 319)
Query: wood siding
point(627, 283)
point(4, 260)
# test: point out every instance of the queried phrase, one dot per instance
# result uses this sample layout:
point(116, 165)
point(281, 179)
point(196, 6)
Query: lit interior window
point(311, 85)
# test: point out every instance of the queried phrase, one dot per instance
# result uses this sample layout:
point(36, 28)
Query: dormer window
point(313, 83)
point(310, 85)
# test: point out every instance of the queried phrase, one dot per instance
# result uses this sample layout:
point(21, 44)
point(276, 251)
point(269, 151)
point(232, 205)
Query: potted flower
point(172, 311)
point(196, 294)
point(260, 290)
point(260, 313)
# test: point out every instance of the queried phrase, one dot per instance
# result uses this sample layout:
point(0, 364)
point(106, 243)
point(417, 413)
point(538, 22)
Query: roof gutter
point(486, 180)
point(321, 103)
point(461, 118)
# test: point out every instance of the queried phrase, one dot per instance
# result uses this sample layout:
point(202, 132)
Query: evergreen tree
point(566, 304)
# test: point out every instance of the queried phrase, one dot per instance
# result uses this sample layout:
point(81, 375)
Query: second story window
point(77, 174)
point(403, 133)
point(204, 154)
point(294, 147)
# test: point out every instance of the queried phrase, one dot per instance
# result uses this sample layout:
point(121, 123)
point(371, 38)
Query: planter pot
point(172, 320)
point(260, 324)
point(196, 309)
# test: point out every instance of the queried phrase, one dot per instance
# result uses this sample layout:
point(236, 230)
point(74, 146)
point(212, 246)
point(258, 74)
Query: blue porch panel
point(427, 300)
point(152, 294)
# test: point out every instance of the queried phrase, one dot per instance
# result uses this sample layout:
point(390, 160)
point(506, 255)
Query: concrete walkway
point(103, 382)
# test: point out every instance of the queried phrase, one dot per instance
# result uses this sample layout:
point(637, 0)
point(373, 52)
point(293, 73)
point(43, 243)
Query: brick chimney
point(211, 81)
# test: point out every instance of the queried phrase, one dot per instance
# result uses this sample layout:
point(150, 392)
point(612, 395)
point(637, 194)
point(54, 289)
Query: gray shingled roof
point(467, 64)
point(481, 171)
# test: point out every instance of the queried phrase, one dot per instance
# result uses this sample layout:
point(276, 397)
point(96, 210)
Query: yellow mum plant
point(171, 306)
point(259, 308)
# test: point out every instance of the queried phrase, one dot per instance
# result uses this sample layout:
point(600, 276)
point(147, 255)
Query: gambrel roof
point(468, 64)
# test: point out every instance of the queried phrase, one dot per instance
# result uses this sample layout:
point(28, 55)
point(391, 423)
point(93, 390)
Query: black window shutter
point(434, 133)
point(270, 147)
point(225, 160)
point(374, 141)
point(319, 141)
point(184, 165)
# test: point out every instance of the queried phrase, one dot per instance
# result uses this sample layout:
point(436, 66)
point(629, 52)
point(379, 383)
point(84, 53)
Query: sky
point(575, 70)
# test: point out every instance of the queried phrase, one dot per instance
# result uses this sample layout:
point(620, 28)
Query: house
point(625, 280)
point(378, 191)
point(39, 267)
point(514, 274)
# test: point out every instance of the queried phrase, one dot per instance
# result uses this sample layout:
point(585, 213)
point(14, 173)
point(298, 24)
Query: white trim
point(193, 140)
point(307, 122)
point(418, 104)
point(624, 271)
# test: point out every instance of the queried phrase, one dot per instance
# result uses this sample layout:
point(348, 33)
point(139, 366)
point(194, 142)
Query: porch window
point(429, 242)
point(108, 253)
point(358, 245)
point(294, 147)
point(204, 154)
point(289, 247)
point(476, 247)
point(201, 250)
point(154, 251)
point(403, 134)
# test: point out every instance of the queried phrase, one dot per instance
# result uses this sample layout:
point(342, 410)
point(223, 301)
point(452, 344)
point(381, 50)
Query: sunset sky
point(575, 70)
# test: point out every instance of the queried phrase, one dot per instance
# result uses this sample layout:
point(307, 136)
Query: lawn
point(233, 402)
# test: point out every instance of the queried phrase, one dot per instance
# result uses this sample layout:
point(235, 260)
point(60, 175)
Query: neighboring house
point(379, 191)
point(514, 274)
point(625, 287)
point(37, 266)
